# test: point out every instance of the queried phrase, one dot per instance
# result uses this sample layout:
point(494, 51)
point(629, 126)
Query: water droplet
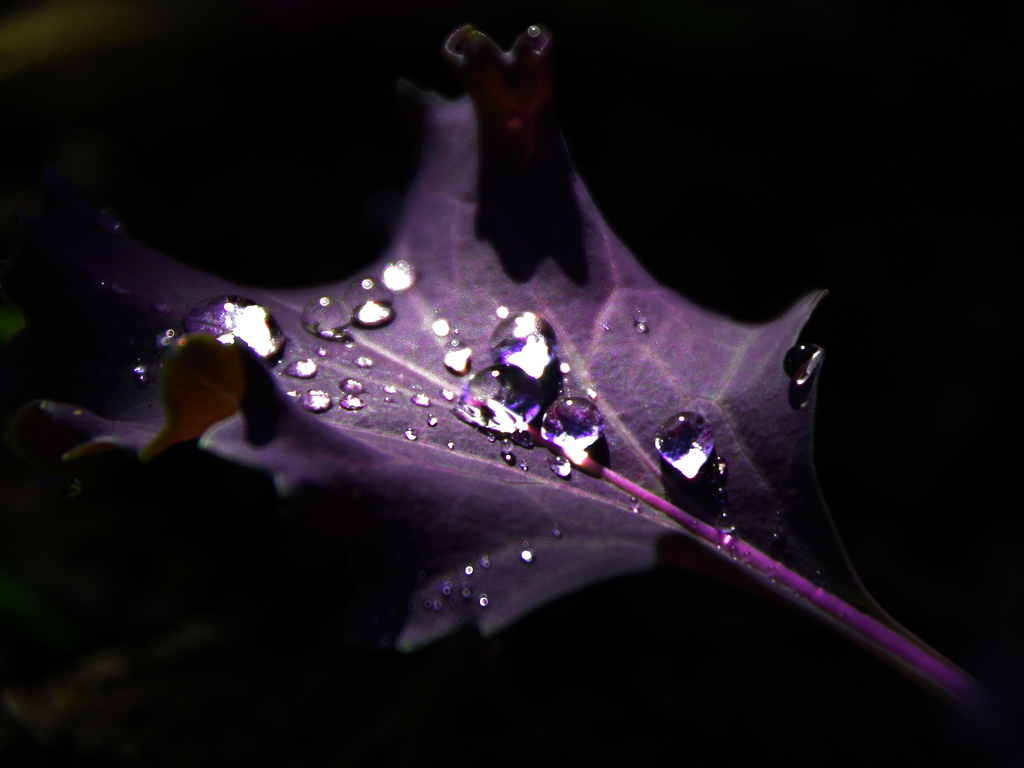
point(485, 562)
point(141, 375)
point(524, 340)
point(389, 389)
point(451, 445)
point(110, 221)
point(501, 397)
point(466, 591)
point(634, 505)
point(399, 276)
point(420, 399)
point(327, 318)
point(484, 602)
point(411, 434)
point(371, 303)
point(352, 387)
point(777, 545)
point(561, 466)
point(509, 458)
point(724, 523)
point(446, 587)
point(351, 402)
point(231, 317)
point(321, 352)
point(441, 327)
point(573, 424)
point(468, 570)
point(533, 31)
point(717, 472)
point(802, 361)
point(526, 555)
point(315, 401)
point(720, 495)
point(555, 532)
point(447, 394)
point(564, 367)
point(363, 362)
point(431, 420)
point(639, 316)
point(591, 393)
point(458, 359)
point(605, 327)
point(501, 312)
point(685, 441)
point(640, 327)
point(301, 369)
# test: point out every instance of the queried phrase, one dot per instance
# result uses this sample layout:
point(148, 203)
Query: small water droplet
point(451, 445)
point(524, 340)
point(640, 327)
point(484, 602)
point(605, 327)
point(634, 505)
point(533, 30)
point(458, 359)
point(441, 327)
point(446, 587)
point(301, 369)
point(420, 399)
point(327, 318)
point(315, 401)
point(447, 394)
point(371, 303)
point(720, 495)
point(321, 352)
point(724, 523)
point(468, 570)
point(685, 441)
point(509, 458)
point(363, 362)
point(411, 434)
point(351, 402)
point(352, 387)
point(573, 424)
point(802, 361)
point(431, 420)
point(501, 312)
point(639, 316)
point(564, 367)
point(591, 393)
point(561, 466)
point(109, 221)
point(501, 397)
point(485, 562)
point(777, 545)
point(389, 389)
point(234, 317)
point(717, 472)
point(524, 466)
point(141, 375)
point(556, 532)
point(526, 555)
point(399, 276)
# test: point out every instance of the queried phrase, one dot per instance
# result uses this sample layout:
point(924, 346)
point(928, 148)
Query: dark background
point(747, 152)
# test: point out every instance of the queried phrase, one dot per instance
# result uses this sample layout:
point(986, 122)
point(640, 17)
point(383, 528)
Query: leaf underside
point(496, 217)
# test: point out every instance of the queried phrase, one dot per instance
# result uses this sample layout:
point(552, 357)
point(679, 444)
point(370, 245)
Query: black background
point(747, 152)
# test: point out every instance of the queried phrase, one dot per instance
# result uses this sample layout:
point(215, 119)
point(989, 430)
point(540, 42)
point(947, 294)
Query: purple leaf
point(448, 525)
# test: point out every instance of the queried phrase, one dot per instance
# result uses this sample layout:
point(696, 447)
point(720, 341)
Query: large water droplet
point(352, 387)
point(326, 317)
point(802, 361)
point(301, 369)
point(573, 424)
point(524, 340)
point(399, 276)
point(685, 441)
point(458, 358)
point(561, 466)
point(371, 303)
point(447, 394)
point(351, 402)
point(233, 317)
point(315, 401)
point(501, 397)
point(440, 327)
point(501, 312)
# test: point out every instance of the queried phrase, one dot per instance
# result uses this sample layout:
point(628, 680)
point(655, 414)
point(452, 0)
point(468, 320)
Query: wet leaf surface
point(444, 530)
